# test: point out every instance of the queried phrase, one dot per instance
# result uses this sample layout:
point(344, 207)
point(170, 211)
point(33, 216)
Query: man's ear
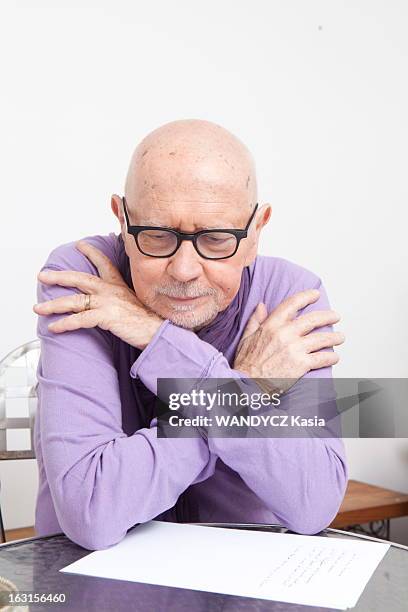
point(261, 218)
point(117, 209)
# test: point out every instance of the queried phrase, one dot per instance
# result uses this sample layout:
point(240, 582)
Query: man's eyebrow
point(153, 223)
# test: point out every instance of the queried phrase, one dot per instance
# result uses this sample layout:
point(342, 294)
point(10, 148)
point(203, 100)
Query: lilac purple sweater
point(102, 468)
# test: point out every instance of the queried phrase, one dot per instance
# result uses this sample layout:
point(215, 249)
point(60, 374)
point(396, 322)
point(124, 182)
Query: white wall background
point(317, 90)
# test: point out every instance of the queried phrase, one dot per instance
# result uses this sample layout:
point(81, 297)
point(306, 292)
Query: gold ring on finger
point(87, 302)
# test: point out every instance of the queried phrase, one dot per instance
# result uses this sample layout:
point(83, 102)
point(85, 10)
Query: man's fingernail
point(43, 274)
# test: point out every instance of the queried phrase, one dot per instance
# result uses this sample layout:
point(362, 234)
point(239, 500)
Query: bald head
point(192, 160)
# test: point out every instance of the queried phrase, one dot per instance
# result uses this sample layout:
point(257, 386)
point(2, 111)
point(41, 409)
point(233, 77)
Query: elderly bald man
point(170, 297)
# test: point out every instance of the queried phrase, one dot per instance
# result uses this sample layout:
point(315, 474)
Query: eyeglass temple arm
point(125, 212)
point(251, 217)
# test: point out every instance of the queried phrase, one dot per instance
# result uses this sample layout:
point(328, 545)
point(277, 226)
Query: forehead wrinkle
point(154, 216)
point(189, 201)
point(191, 189)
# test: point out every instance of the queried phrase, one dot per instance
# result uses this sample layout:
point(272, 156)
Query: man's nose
point(186, 264)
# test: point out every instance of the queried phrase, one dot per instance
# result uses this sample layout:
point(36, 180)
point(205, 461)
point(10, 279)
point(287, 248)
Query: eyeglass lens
point(163, 243)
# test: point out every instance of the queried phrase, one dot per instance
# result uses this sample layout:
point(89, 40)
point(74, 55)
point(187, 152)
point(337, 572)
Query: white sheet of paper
point(309, 570)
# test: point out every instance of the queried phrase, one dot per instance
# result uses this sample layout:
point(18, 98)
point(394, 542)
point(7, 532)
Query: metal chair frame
point(28, 392)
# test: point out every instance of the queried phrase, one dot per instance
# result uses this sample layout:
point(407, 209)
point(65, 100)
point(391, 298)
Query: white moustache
point(170, 292)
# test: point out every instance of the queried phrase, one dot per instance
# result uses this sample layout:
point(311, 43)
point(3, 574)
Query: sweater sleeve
point(102, 482)
point(301, 480)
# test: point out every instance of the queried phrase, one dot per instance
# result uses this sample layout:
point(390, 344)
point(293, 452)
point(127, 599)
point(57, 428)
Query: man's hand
point(280, 348)
point(113, 305)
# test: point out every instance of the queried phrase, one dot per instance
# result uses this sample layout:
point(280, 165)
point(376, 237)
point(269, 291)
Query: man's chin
point(191, 319)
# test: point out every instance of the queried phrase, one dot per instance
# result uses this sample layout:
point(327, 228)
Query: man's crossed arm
point(102, 481)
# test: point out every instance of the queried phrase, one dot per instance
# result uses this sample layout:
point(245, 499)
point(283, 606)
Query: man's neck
point(198, 327)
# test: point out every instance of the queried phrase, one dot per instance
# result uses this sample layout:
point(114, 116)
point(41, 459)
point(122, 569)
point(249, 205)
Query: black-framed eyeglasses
point(209, 243)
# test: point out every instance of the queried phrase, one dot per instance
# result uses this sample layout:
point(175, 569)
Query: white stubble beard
point(183, 315)
point(193, 321)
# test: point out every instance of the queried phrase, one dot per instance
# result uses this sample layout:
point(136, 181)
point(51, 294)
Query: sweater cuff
point(173, 352)
point(143, 355)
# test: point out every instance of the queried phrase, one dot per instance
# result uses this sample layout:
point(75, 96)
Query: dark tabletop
point(33, 565)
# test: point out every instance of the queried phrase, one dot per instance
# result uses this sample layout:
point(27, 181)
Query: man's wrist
point(150, 328)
